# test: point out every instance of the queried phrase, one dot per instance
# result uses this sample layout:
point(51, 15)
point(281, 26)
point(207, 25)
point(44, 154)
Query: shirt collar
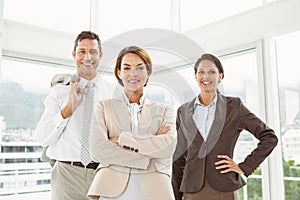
point(142, 99)
point(83, 81)
point(198, 103)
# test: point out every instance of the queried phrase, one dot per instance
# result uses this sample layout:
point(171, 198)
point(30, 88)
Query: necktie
point(87, 115)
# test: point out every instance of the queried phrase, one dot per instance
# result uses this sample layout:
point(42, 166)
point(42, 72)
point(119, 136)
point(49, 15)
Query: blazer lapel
point(218, 123)
point(189, 124)
point(121, 113)
point(145, 117)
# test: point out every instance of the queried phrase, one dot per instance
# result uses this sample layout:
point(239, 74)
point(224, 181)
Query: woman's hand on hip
point(226, 164)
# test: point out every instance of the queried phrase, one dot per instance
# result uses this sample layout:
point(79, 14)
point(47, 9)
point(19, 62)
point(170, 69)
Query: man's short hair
point(87, 35)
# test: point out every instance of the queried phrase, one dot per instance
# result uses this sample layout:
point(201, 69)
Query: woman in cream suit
point(132, 137)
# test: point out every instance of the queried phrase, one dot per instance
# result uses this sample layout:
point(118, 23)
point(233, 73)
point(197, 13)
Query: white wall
point(32, 41)
point(269, 20)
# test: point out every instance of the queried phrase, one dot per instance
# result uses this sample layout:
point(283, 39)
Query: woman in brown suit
point(207, 129)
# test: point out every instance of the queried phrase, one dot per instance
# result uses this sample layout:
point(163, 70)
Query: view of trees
point(291, 187)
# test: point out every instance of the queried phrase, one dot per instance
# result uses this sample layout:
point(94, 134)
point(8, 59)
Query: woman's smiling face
point(208, 76)
point(133, 73)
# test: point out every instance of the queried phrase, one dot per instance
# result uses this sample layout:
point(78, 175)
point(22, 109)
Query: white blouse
point(133, 189)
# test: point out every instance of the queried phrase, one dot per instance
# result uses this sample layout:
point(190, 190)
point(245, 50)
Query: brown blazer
point(194, 159)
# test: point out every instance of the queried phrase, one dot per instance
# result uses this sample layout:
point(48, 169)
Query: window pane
point(170, 78)
point(23, 89)
point(68, 15)
point(238, 83)
point(288, 48)
point(244, 85)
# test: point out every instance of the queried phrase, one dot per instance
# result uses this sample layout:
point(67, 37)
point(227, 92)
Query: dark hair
point(87, 35)
point(138, 51)
point(212, 59)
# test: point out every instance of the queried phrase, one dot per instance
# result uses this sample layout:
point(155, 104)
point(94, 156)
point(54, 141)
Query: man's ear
point(100, 55)
point(73, 54)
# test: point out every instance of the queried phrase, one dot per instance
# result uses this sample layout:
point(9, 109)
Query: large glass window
point(240, 80)
point(288, 62)
point(23, 88)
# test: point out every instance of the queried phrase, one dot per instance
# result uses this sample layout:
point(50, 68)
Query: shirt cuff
point(59, 121)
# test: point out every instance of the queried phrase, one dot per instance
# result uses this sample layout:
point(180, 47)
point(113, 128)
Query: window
point(21, 96)
point(245, 86)
point(287, 47)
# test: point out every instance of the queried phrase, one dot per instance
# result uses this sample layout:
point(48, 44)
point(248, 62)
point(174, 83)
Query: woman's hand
point(163, 130)
point(114, 139)
point(227, 165)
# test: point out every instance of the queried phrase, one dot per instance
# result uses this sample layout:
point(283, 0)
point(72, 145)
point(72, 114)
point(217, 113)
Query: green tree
point(292, 187)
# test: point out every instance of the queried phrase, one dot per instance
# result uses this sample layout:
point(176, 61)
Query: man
point(64, 125)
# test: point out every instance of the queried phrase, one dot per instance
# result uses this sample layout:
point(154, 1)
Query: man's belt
point(92, 165)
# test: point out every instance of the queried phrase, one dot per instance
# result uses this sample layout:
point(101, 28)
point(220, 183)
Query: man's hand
point(75, 94)
point(75, 98)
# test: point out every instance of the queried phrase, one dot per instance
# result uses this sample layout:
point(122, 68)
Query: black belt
point(92, 165)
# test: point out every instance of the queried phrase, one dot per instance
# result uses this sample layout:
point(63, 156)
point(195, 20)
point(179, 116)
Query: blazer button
point(136, 150)
point(132, 149)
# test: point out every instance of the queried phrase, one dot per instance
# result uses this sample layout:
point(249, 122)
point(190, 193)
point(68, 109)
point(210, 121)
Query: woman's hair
point(212, 59)
point(138, 51)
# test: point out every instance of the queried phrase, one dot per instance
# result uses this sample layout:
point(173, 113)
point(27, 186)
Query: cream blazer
point(150, 154)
